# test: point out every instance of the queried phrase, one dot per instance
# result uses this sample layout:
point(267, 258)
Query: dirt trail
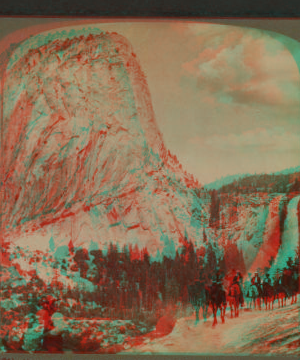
point(254, 331)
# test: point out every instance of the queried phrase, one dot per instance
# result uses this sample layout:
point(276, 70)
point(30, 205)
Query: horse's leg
point(206, 310)
point(197, 314)
point(203, 312)
point(223, 313)
point(235, 308)
point(215, 315)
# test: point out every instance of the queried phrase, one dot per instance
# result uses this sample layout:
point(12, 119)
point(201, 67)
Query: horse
point(295, 285)
point(233, 297)
point(280, 293)
point(252, 295)
point(290, 284)
point(199, 298)
point(268, 295)
point(217, 300)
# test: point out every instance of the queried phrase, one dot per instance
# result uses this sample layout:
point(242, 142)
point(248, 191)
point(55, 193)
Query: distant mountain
point(284, 180)
point(223, 181)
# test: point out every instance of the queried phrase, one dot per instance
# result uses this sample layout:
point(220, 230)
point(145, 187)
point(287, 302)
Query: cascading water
point(271, 237)
point(290, 238)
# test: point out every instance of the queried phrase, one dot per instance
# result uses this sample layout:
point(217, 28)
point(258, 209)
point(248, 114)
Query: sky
point(226, 98)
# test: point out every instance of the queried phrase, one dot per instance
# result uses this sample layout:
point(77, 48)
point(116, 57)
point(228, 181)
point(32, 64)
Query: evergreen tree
point(146, 258)
point(211, 260)
point(81, 256)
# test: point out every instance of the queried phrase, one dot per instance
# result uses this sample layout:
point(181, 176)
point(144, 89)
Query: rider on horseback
point(256, 279)
point(240, 284)
point(218, 278)
point(278, 278)
point(267, 280)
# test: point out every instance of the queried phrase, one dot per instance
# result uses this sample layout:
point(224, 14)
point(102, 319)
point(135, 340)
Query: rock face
point(82, 154)
point(82, 159)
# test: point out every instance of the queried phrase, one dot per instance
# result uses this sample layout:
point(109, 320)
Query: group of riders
point(231, 289)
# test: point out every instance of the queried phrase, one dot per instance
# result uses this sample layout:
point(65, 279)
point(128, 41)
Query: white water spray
point(290, 238)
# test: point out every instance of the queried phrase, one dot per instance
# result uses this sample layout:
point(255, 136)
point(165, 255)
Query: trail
point(254, 332)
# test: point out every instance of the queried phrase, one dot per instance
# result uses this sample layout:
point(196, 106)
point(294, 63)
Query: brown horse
point(217, 300)
point(233, 298)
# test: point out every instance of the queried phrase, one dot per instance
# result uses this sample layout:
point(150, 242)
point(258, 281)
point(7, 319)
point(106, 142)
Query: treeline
point(129, 277)
point(284, 183)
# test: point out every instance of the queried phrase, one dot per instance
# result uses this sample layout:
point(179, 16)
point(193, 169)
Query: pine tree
point(146, 257)
point(81, 256)
point(211, 260)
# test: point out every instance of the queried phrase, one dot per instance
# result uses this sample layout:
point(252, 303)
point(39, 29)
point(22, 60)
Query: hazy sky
point(226, 99)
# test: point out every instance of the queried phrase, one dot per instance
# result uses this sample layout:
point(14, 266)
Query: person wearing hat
point(256, 279)
point(267, 280)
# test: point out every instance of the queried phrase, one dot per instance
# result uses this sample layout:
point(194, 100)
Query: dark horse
point(217, 300)
point(198, 296)
point(290, 284)
point(280, 292)
point(295, 285)
point(268, 294)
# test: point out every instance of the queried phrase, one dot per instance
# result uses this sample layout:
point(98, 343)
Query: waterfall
point(290, 238)
point(271, 237)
